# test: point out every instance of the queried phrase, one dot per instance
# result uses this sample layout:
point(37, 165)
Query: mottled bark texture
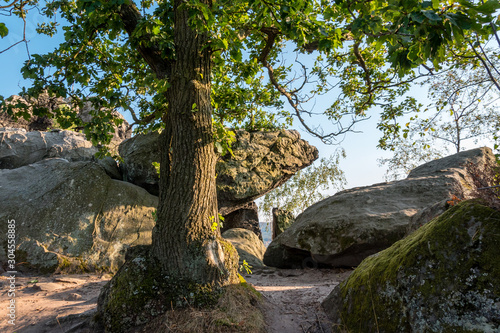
point(188, 262)
point(183, 240)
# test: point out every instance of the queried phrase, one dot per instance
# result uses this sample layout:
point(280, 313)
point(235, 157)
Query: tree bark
point(184, 242)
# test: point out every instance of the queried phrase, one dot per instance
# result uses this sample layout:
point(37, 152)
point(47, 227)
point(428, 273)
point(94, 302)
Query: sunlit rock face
point(347, 227)
point(72, 216)
point(445, 277)
point(250, 248)
point(19, 147)
point(120, 132)
point(261, 161)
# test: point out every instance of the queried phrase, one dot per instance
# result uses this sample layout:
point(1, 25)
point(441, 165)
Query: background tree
point(169, 64)
point(306, 187)
point(463, 110)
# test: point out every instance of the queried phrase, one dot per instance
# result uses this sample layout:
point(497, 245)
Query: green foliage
point(215, 224)
point(4, 31)
point(366, 50)
point(245, 267)
point(307, 186)
point(157, 167)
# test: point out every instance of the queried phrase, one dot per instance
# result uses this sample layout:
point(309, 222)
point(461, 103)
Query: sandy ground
point(58, 303)
point(63, 303)
point(294, 297)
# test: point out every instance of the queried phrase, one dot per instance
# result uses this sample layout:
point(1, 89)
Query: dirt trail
point(63, 303)
point(294, 297)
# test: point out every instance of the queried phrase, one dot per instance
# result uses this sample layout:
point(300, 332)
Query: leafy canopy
point(116, 55)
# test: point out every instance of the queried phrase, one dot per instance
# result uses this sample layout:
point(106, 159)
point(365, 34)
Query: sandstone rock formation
point(246, 217)
point(19, 148)
point(345, 228)
point(138, 154)
point(262, 161)
point(71, 215)
point(445, 277)
point(37, 123)
point(250, 248)
point(282, 220)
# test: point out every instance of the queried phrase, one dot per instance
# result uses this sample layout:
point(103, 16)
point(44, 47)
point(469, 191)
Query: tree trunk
point(184, 242)
point(188, 262)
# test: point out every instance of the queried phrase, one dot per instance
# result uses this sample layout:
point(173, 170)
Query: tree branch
point(151, 53)
point(485, 65)
point(292, 98)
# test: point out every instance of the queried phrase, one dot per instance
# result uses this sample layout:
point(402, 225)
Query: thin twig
point(485, 188)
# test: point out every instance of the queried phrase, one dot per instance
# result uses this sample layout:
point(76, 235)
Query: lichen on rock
point(445, 277)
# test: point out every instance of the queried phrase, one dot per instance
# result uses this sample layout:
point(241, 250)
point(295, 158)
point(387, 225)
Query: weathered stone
point(246, 217)
point(250, 248)
point(19, 148)
point(282, 220)
point(445, 277)
point(347, 227)
point(261, 161)
point(427, 214)
point(36, 123)
point(74, 210)
point(138, 155)
point(111, 167)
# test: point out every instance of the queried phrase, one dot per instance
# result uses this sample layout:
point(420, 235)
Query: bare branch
point(9, 5)
point(485, 65)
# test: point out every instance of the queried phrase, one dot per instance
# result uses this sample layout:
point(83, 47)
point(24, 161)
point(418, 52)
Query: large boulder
point(19, 148)
point(36, 123)
point(250, 248)
point(445, 277)
point(246, 217)
point(261, 161)
point(72, 215)
point(347, 227)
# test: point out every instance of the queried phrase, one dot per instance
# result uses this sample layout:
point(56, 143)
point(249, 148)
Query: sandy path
point(56, 303)
point(63, 303)
point(294, 297)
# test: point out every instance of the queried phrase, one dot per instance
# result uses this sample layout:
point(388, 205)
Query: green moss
point(251, 289)
point(444, 275)
point(140, 291)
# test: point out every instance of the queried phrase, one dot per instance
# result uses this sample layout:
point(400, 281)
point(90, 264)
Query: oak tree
point(183, 66)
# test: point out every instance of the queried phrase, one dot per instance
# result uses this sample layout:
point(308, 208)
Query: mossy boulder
point(75, 214)
point(140, 291)
point(445, 277)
